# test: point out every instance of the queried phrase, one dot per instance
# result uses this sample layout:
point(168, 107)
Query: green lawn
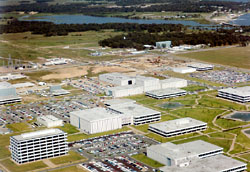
point(208, 101)
point(235, 56)
point(150, 162)
point(246, 156)
point(70, 169)
point(241, 138)
point(16, 127)
point(222, 135)
point(194, 88)
point(13, 167)
point(238, 148)
point(68, 128)
point(76, 137)
point(229, 123)
point(4, 142)
point(73, 156)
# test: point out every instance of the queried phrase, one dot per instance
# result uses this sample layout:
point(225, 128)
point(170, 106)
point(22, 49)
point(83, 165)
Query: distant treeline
point(185, 6)
point(138, 39)
point(51, 29)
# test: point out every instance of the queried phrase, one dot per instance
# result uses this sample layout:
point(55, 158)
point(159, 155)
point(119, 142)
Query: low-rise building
point(56, 90)
point(240, 94)
point(201, 66)
point(177, 127)
point(117, 79)
point(166, 93)
point(49, 121)
point(173, 83)
point(123, 91)
point(148, 83)
point(163, 44)
point(38, 145)
point(184, 69)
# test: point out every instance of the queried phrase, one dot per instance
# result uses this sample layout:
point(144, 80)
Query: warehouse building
point(8, 94)
point(184, 69)
point(95, 120)
point(123, 91)
point(56, 90)
point(148, 83)
point(201, 66)
point(193, 156)
point(166, 93)
point(49, 121)
point(117, 79)
point(163, 44)
point(177, 127)
point(240, 94)
point(38, 145)
point(134, 114)
point(173, 83)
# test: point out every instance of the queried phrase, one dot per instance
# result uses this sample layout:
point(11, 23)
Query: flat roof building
point(49, 121)
point(173, 83)
point(137, 113)
point(117, 79)
point(38, 145)
point(201, 66)
point(166, 93)
point(56, 90)
point(148, 83)
point(184, 69)
point(8, 94)
point(177, 127)
point(123, 91)
point(239, 94)
point(95, 120)
point(163, 44)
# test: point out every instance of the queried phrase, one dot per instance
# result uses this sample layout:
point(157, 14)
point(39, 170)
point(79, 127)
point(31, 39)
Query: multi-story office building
point(38, 145)
point(8, 94)
point(166, 93)
point(240, 94)
point(177, 127)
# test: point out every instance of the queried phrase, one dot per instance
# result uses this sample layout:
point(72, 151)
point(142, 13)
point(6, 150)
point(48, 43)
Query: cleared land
point(234, 56)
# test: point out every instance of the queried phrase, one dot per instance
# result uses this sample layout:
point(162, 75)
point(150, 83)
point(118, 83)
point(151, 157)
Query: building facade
point(166, 93)
point(8, 94)
point(38, 145)
point(49, 121)
point(117, 79)
point(240, 94)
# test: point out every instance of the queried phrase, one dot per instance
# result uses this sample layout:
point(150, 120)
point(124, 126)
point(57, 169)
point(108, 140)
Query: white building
point(95, 120)
point(184, 69)
point(182, 155)
point(8, 94)
point(166, 93)
point(117, 79)
point(56, 90)
point(148, 83)
point(38, 145)
point(133, 114)
point(49, 121)
point(177, 127)
point(123, 91)
point(201, 66)
point(240, 94)
point(173, 83)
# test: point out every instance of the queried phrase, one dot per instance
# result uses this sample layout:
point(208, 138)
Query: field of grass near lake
point(234, 56)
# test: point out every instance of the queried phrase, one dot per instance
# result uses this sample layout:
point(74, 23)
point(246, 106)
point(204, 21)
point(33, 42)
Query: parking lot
point(60, 109)
point(119, 164)
point(228, 77)
point(125, 143)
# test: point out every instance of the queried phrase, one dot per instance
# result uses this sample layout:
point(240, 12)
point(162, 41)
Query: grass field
point(235, 56)
point(70, 169)
point(73, 156)
point(16, 127)
point(75, 137)
point(11, 166)
point(68, 128)
point(143, 158)
point(194, 88)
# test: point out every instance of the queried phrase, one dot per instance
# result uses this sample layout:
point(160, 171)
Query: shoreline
point(226, 19)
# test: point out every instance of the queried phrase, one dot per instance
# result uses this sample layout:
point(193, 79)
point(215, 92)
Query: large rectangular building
point(240, 94)
point(123, 91)
point(49, 121)
point(173, 83)
point(38, 145)
point(8, 94)
point(95, 120)
point(137, 113)
point(148, 83)
point(163, 44)
point(166, 93)
point(177, 127)
point(117, 79)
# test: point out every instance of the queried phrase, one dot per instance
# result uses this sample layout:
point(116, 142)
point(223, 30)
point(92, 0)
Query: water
point(244, 116)
point(171, 105)
point(83, 19)
point(247, 131)
point(243, 20)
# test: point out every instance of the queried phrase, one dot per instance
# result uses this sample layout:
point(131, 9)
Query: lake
point(244, 116)
point(243, 20)
point(83, 19)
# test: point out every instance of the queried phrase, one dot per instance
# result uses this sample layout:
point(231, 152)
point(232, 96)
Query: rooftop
point(4, 85)
point(124, 87)
point(133, 109)
point(37, 134)
point(118, 76)
point(181, 151)
point(145, 78)
point(172, 125)
point(49, 118)
point(94, 114)
point(200, 65)
point(216, 163)
point(169, 80)
point(112, 102)
point(240, 91)
point(166, 91)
